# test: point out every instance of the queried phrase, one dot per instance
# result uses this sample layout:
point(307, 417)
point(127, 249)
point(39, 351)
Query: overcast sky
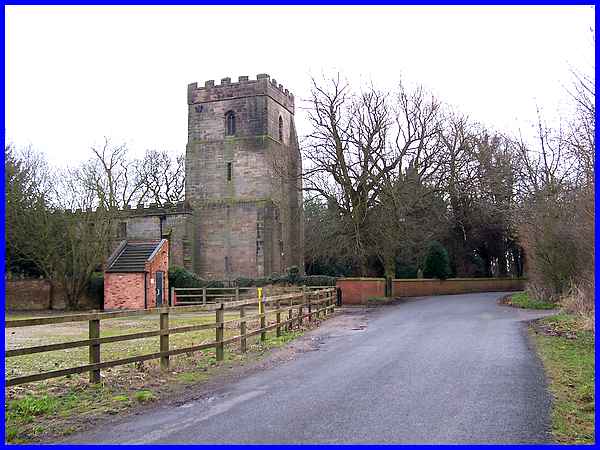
point(76, 74)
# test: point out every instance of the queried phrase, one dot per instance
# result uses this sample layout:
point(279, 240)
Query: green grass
point(191, 377)
point(274, 341)
point(144, 395)
point(523, 300)
point(29, 416)
point(28, 407)
point(377, 299)
point(567, 352)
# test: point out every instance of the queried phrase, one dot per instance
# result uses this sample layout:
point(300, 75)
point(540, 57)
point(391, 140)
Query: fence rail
point(203, 296)
point(322, 299)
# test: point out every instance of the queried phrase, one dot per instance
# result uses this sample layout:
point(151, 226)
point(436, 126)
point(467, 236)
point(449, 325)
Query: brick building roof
point(133, 257)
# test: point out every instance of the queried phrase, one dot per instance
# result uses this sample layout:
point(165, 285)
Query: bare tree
point(162, 177)
point(57, 227)
point(348, 154)
point(112, 176)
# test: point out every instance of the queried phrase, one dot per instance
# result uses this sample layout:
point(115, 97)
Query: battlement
point(244, 87)
point(147, 209)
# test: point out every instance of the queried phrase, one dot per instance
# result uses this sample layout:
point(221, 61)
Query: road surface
point(445, 369)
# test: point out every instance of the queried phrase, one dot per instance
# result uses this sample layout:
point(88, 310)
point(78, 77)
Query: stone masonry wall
point(145, 224)
point(259, 194)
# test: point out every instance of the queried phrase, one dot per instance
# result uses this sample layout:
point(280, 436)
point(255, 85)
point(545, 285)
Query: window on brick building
point(230, 123)
point(229, 171)
point(280, 128)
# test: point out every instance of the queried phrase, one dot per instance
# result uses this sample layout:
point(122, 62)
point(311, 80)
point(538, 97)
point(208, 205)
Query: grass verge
point(567, 352)
point(523, 300)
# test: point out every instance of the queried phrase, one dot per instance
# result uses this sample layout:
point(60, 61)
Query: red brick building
point(136, 275)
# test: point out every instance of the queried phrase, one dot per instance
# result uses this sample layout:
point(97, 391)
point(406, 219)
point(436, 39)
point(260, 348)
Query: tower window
point(280, 129)
point(229, 171)
point(259, 226)
point(230, 123)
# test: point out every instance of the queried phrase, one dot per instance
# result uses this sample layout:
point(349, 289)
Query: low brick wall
point(27, 295)
point(423, 287)
point(356, 291)
point(38, 295)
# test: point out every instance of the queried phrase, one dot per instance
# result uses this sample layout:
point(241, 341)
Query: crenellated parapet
point(147, 209)
point(244, 87)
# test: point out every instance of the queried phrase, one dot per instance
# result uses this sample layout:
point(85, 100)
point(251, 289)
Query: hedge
point(182, 278)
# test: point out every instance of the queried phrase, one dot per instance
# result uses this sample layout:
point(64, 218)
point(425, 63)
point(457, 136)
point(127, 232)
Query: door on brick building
point(159, 288)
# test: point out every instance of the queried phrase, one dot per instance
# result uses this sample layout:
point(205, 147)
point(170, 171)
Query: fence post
point(94, 333)
point(172, 299)
point(220, 317)
point(164, 340)
point(331, 302)
point(263, 322)
point(237, 294)
point(278, 304)
point(289, 325)
point(242, 329)
point(204, 296)
point(301, 309)
point(319, 305)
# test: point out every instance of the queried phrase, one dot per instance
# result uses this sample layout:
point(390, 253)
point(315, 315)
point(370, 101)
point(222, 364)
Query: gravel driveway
point(445, 369)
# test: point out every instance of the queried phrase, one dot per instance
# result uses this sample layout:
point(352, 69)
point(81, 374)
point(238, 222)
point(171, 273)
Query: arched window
point(280, 129)
point(230, 123)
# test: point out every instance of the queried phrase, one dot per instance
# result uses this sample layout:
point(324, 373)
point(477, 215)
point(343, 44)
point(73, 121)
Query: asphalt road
point(447, 369)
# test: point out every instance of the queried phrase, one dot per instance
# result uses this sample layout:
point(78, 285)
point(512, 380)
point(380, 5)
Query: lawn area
point(523, 300)
point(567, 352)
point(61, 406)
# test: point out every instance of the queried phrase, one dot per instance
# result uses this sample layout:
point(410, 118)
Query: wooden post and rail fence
point(292, 303)
point(205, 296)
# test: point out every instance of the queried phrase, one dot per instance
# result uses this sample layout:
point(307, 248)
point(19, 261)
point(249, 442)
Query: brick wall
point(160, 262)
point(123, 290)
point(422, 287)
point(356, 291)
point(27, 295)
point(38, 295)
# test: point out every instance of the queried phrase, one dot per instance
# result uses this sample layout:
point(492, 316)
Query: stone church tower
point(243, 181)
